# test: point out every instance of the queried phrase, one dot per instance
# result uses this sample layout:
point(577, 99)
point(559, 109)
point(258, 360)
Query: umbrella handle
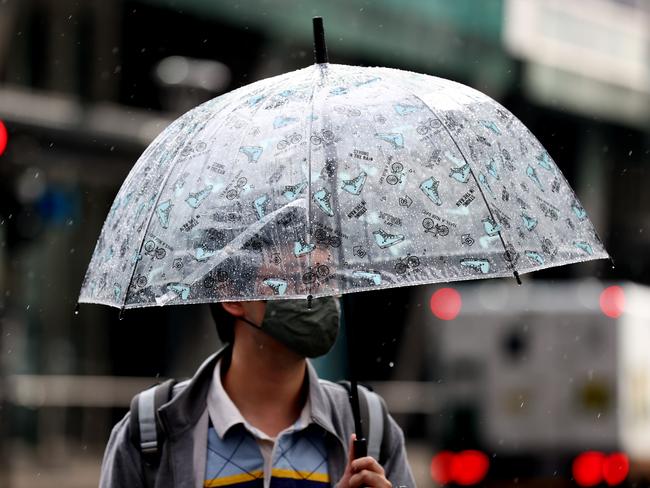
point(360, 448)
point(360, 443)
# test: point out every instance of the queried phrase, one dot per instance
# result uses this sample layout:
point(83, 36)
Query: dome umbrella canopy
point(335, 179)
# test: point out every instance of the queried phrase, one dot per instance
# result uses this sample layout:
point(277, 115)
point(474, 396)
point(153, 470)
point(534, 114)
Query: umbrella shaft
point(360, 444)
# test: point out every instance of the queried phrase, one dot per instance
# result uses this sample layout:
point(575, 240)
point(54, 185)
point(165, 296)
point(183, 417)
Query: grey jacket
point(122, 464)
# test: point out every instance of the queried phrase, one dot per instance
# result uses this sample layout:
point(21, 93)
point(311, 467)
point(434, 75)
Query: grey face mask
point(308, 332)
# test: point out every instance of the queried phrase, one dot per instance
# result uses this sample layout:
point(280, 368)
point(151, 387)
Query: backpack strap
point(146, 431)
point(375, 425)
point(372, 418)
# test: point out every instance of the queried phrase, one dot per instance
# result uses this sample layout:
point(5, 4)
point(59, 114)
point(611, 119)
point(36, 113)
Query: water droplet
point(391, 364)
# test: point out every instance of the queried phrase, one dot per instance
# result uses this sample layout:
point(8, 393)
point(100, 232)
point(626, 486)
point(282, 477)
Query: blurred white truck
point(532, 375)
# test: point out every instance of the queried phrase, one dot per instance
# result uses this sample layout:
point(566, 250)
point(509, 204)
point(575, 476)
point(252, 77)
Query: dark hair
point(224, 322)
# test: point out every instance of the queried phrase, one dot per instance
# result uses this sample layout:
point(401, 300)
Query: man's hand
point(363, 472)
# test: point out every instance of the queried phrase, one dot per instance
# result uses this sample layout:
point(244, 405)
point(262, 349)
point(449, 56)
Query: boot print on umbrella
point(260, 204)
point(579, 211)
point(292, 192)
point(430, 189)
point(374, 278)
point(163, 211)
point(488, 124)
point(301, 248)
point(584, 246)
point(532, 174)
point(459, 173)
point(384, 239)
point(180, 289)
point(491, 227)
point(403, 109)
point(253, 153)
point(355, 185)
point(529, 222)
point(195, 199)
point(544, 161)
point(492, 169)
point(202, 254)
point(279, 287)
point(396, 140)
point(483, 180)
point(282, 121)
point(323, 199)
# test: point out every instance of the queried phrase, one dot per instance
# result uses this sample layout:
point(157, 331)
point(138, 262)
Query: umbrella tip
point(76, 309)
point(320, 48)
point(121, 315)
point(516, 273)
point(309, 299)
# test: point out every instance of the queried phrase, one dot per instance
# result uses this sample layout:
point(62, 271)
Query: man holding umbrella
point(318, 182)
point(256, 414)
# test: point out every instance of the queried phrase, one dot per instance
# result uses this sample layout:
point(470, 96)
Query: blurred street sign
point(589, 56)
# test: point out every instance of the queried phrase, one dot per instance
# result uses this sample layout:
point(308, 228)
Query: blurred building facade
point(85, 86)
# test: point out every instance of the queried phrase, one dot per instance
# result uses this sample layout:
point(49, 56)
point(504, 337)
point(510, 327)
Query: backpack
point(148, 436)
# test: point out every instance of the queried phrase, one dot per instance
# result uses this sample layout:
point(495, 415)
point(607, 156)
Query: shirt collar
point(321, 409)
point(225, 415)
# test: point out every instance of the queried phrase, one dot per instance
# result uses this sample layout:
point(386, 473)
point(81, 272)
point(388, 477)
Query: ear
point(236, 309)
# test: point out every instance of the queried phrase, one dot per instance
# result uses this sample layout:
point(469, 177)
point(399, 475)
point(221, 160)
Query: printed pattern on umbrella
point(335, 179)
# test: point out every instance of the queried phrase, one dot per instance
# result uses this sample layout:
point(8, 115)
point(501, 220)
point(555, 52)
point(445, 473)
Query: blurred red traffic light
point(588, 468)
point(592, 468)
point(616, 468)
point(441, 467)
point(612, 301)
point(446, 303)
point(469, 467)
point(464, 468)
point(3, 137)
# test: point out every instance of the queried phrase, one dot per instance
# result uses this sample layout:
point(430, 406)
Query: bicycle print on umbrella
point(404, 264)
point(430, 227)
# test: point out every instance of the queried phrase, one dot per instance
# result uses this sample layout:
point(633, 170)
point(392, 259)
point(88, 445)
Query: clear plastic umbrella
point(335, 179)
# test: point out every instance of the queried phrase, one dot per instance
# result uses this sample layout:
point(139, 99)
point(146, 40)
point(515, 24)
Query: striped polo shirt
point(242, 456)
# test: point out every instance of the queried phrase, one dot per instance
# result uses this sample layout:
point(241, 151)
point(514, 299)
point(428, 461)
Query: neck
point(265, 380)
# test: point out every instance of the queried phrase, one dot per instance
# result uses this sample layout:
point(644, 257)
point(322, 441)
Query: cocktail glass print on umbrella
point(335, 179)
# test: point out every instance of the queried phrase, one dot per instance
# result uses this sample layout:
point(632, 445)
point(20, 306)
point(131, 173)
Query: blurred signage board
point(591, 56)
